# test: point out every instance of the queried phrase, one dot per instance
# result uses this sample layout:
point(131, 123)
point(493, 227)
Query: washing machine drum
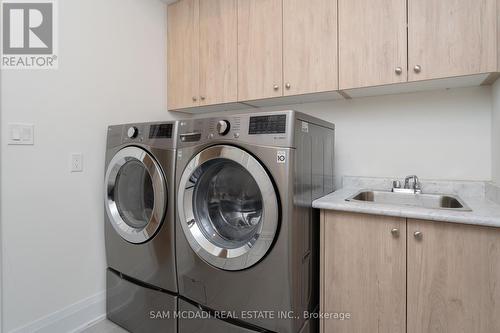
point(136, 196)
point(228, 207)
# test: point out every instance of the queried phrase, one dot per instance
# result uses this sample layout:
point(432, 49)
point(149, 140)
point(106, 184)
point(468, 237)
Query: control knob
point(132, 132)
point(223, 127)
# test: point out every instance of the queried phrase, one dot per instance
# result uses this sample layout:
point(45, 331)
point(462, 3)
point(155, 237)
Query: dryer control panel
point(159, 134)
point(161, 131)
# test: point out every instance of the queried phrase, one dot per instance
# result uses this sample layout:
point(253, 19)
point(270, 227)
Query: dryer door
point(136, 196)
point(228, 207)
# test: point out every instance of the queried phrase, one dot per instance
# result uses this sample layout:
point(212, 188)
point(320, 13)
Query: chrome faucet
point(416, 187)
point(416, 183)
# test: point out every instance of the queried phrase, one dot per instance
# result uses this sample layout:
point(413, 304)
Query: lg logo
point(27, 28)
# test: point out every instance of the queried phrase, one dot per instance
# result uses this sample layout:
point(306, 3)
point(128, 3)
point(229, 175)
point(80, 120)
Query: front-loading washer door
point(228, 207)
point(136, 196)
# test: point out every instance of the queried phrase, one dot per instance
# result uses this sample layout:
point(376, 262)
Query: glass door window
point(227, 203)
point(136, 194)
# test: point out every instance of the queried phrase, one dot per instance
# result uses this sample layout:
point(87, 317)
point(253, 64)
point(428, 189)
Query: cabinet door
point(218, 51)
point(453, 278)
point(363, 272)
point(260, 48)
point(310, 46)
point(372, 42)
point(183, 54)
point(451, 38)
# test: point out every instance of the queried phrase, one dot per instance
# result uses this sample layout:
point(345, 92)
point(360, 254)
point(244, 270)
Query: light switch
point(20, 134)
point(77, 162)
point(16, 134)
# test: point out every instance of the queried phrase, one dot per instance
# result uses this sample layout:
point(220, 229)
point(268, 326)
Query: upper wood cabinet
point(218, 51)
point(498, 36)
point(453, 278)
point(202, 53)
point(226, 51)
point(260, 49)
point(309, 46)
point(451, 38)
point(372, 42)
point(363, 264)
point(183, 54)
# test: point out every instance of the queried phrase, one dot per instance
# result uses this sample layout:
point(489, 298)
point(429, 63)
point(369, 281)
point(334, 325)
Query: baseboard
point(73, 318)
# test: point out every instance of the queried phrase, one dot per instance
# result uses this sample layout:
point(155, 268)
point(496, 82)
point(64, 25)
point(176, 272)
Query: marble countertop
point(484, 212)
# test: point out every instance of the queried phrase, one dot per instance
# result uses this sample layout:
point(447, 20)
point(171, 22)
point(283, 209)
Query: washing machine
point(140, 226)
point(247, 236)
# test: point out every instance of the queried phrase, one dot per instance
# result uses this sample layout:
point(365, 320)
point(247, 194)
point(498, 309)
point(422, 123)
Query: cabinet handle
point(288, 86)
point(417, 69)
point(202, 98)
point(195, 99)
point(276, 87)
point(395, 232)
point(418, 235)
point(399, 70)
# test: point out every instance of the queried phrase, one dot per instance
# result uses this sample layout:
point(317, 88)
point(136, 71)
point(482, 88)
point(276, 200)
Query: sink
point(431, 201)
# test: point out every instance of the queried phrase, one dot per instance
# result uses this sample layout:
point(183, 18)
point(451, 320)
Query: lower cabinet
point(453, 278)
point(387, 274)
point(364, 268)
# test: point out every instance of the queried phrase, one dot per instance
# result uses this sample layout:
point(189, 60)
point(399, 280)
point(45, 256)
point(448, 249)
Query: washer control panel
point(273, 128)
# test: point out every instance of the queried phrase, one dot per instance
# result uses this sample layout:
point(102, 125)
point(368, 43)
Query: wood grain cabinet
point(451, 38)
point(398, 275)
point(453, 278)
point(383, 42)
point(310, 46)
point(218, 51)
point(202, 53)
point(260, 49)
point(226, 51)
point(286, 48)
point(372, 43)
point(183, 54)
point(363, 266)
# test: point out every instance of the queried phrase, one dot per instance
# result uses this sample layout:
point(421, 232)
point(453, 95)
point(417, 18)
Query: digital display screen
point(267, 124)
point(161, 131)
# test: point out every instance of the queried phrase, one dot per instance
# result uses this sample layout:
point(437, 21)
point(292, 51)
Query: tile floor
point(104, 326)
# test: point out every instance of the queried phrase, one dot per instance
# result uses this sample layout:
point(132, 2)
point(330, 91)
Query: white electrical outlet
point(76, 162)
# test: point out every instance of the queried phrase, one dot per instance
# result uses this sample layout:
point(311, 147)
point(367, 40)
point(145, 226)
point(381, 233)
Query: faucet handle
point(417, 186)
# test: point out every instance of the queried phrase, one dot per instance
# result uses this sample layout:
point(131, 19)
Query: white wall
point(436, 135)
point(111, 70)
point(496, 133)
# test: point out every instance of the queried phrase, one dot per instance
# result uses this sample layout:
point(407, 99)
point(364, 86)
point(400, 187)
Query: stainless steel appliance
point(247, 236)
point(139, 226)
